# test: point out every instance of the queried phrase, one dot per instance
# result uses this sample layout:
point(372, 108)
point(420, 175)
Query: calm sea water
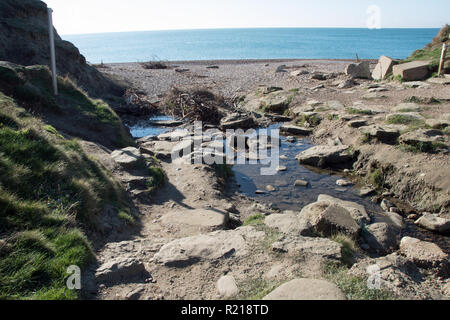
point(216, 44)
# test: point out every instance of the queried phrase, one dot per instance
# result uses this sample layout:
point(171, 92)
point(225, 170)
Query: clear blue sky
point(95, 16)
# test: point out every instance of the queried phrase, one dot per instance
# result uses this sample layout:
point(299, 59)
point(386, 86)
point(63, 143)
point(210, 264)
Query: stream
point(286, 196)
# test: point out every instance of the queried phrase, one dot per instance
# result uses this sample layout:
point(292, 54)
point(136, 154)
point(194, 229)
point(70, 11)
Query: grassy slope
point(51, 192)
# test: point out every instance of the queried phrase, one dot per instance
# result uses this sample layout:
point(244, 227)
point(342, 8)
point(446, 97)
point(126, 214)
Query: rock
point(383, 68)
point(146, 139)
point(301, 109)
point(226, 287)
point(359, 70)
point(366, 191)
point(416, 70)
point(343, 183)
point(301, 183)
point(119, 269)
point(281, 168)
point(335, 105)
point(318, 76)
point(270, 188)
point(260, 191)
point(174, 135)
point(297, 73)
point(160, 149)
point(422, 253)
point(434, 223)
point(289, 224)
point(384, 134)
point(243, 123)
point(276, 102)
point(272, 89)
point(328, 219)
point(127, 157)
point(135, 294)
point(281, 68)
point(323, 156)
point(183, 252)
point(306, 247)
point(306, 289)
point(382, 238)
point(407, 107)
point(415, 84)
point(439, 124)
point(346, 84)
point(373, 96)
point(295, 130)
point(208, 220)
point(443, 81)
point(357, 211)
point(357, 123)
point(386, 204)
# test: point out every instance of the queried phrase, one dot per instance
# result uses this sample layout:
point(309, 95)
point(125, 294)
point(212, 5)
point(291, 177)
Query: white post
point(441, 62)
point(52, 51)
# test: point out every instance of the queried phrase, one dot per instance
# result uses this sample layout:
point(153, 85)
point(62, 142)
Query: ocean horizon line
point(247, 28)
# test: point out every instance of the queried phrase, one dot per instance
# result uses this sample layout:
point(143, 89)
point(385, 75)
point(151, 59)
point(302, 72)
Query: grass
point(406, 120)
point(359, 111)
point(51, 197)
point(355, 288)
point(422, 100)
point(313, 120)
point(434, 55)
point(157, 177)
point(257, 288)
point(349, 247)
point(428, 147)
point(376, 178)
point(256, 219)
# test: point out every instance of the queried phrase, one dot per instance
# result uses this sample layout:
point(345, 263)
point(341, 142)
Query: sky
point(98, 16)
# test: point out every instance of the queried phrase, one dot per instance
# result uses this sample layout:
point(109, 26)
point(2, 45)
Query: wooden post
point(52, 51)
point(441, 63)
point(357, 58)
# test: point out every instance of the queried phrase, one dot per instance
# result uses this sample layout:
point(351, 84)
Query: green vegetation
point(376, 178)
point(406, 120)
point(432, 54)
point(355, 288)
point(51, 192)
point(157, 177)
point(224, 170)
point(333, 117)
point(257, 219)
point(359, 111)
point(312, 119)
point(429, 147)
point(422, 100)
point(257, 288)
point(349, 247)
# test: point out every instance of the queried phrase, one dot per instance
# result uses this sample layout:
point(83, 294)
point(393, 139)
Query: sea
point(243, 44)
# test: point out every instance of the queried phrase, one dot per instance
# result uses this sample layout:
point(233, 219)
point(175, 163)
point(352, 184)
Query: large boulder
point(290, 224)
point(226, 287)
point(329, 219)
point(357, 211)
point(276, 102)
point(382, 237)
point(127, 157)
point(434, 223)
point(306, 289)
point(119, 269)
point(383, 68)
point(384, 134)
point(359, 70)
point(411, 71)
point(324, 156)
point(423, 254)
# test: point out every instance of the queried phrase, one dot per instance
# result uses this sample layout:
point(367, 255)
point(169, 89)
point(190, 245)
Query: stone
point(422, 253)
point(328, 219)
point(301, 109)
point(127, 157)
point(272, 89)
point(297, 73)
point(386, 204)
point(270, 188)
point(443, 81)
point(174, 135)
point(295, 130)
point(321, 248)
point(383, 68)
point(382, 238)
point(243, 123)
point(289, 224)
point(366, 191)
point(119, 269)
point(318, 76)
point(407, 107)
point(276, 102)
point(323, 156)
point(357, 211)
point(226, 287)
point(348, 83)
point(343, 183)
point(281, 68)
point(384, 134)
point(434, 223)
point(416, 84)
point(212, 246)
point(416, 70)
point(306, 289)
point(423, 139)
point(359, 70)
point(281, 168)
point(160, 149)
point(301, 183)
point(208, 220)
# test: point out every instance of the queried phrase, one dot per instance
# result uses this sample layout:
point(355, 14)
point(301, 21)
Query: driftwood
point(136, 103)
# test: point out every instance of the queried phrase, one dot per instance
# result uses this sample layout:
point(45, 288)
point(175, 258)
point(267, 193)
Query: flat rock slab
point(323, 155)
point(210, 220)
point(322, 248)
point(423, 253)
point(295, 130)
point(384, 67)
point(127, 157)
point(434, 223)
point(383, 134)
point(119, 269)
point(411, 71)
point(306, 289)
point(207, 247)
point(289, 224)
